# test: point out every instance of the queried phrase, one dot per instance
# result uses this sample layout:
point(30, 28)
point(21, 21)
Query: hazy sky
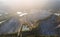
point(24, 3)
point(29, 4)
